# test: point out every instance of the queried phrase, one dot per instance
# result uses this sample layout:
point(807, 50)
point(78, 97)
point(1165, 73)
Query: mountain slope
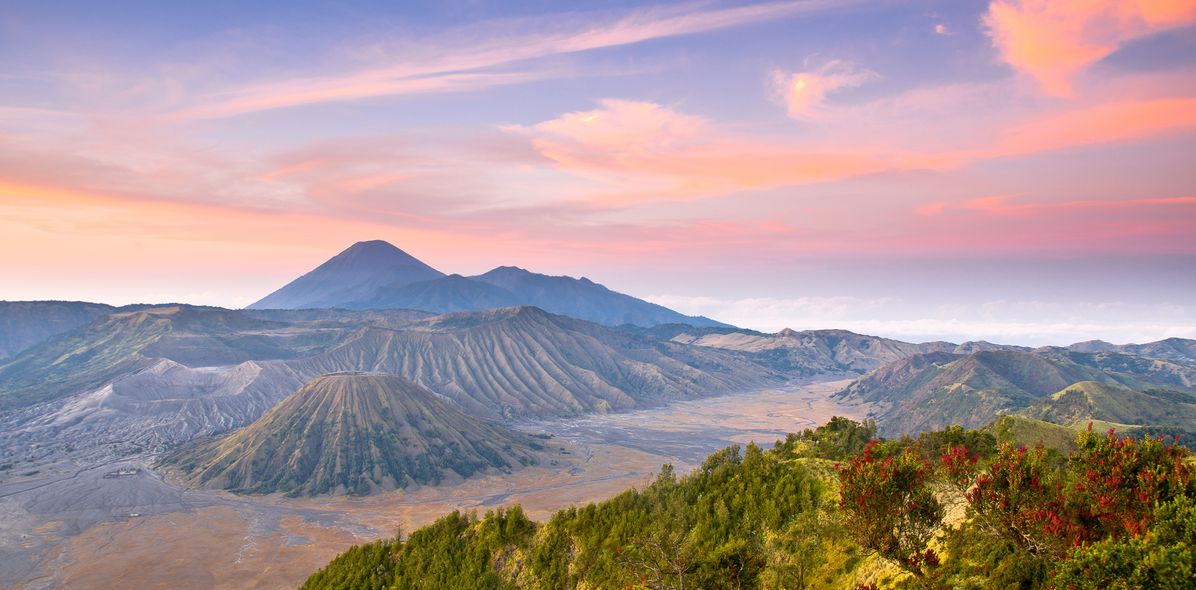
point(354, 433)
point(524, 362)
point(813, 352)
point(939, 389)
point(1130, 370)
point(79, 360)
point(157, 407)
point(1020, 430)
point(443, 295)
point(26, 323)
point(584, 299)
point(88, 358)
point(356, 274)
point(816, 352)
point(1092, 401)
point(935, 390)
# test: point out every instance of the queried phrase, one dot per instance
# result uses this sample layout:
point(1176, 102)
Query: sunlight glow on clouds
point(804, 94)
point(1053, 40)
point(697, 138)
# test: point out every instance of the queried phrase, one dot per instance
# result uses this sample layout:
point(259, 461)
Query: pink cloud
point(1110, 122)
point(1008, 224)
point(804, 94)
point(1053, 40)
point(1001, 205)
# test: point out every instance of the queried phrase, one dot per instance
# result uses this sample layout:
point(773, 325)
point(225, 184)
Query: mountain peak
point(356, 274)
point(375, 254)
point(507, 270)
point(373, 244)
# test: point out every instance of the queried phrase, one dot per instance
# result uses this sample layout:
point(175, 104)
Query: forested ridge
point(835, 507)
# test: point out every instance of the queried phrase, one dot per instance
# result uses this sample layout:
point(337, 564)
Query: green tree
point(799, 550)
point(1163, 558)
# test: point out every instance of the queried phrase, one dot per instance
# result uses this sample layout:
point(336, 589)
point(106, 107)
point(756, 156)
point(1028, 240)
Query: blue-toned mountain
point(377, 275)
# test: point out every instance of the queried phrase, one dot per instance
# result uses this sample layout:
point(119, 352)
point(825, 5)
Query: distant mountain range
point(154, 377)
point(933, 390)
point(91, 383)
point(377, 275)
point(819, 352)
point(124, 342)
point(354, 433)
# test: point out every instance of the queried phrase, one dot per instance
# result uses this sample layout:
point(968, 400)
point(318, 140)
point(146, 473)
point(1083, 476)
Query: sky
point(1021, 171)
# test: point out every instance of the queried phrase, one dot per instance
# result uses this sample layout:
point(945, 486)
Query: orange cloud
point(650, 151)
point(625, 126)
point(644, 151)
point(1053, 40)
point(804, 93)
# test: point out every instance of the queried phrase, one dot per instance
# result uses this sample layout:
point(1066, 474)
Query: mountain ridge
point(24, 324)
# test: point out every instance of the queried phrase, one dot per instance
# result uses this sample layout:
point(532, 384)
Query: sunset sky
point(1022, 171)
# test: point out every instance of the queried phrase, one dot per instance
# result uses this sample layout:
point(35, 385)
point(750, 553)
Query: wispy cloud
point(466, 59)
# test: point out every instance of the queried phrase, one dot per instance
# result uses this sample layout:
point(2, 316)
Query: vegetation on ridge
point(1117, 512)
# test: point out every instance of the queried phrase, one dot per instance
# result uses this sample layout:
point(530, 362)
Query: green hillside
point(1020, 430)
point(354, 433)
point(82, 359)
point(873, 517)
point(1088, 401)
point(932, 391)
point(727, 525)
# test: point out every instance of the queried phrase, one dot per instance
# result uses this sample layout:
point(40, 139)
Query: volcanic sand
point(202, 539)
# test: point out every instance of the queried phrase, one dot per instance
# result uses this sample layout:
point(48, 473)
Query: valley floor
point(85, 530)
